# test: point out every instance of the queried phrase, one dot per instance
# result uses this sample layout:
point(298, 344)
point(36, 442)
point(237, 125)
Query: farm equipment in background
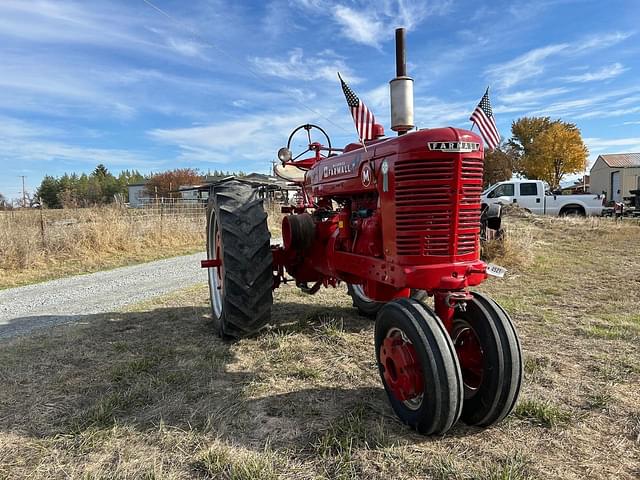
point(398, 220)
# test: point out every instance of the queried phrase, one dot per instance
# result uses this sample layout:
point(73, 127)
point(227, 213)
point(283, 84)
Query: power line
point(236, 61)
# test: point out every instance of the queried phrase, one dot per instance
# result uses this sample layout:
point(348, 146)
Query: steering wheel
point(297, 142)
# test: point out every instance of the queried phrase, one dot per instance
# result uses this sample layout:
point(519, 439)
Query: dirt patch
point(151, 393)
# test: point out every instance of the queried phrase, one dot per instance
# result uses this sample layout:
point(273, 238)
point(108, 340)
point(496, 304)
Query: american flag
point(362, 117)
point(482, 116)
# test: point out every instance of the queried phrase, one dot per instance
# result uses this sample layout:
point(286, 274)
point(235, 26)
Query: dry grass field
point(40, 245)
point(151, 393)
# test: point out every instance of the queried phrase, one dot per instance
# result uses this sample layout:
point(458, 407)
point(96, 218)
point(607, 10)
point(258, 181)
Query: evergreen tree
point(49, 191)
point(100, 171)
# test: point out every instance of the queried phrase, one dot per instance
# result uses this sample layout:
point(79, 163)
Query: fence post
point(44, 243)
point(161, 221)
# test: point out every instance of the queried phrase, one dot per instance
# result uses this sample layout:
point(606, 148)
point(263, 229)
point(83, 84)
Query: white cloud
point(250, 137)
point(531, 97)
point(359, 25)
point(431, 112)
point(604, 73)
point(610, 103)
point(608, 112)
point(525, 66)
point(630, 144)
point(371, 23)
point(187, 48)
point(534, 62)
point(602, 40)
point(300, 67)
point(377, 99)
point(23, 142)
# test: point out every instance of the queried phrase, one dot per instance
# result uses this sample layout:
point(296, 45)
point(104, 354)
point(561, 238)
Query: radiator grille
point(469, 211)
point(425, 207)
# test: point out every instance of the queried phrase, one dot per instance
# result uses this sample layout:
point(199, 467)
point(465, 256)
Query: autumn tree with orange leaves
point(547, 149)
point(165, 184)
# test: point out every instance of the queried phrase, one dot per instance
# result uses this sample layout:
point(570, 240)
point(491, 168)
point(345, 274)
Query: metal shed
point(616, 175)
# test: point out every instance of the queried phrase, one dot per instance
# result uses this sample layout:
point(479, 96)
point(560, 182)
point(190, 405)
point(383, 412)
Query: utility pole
point(24, 192)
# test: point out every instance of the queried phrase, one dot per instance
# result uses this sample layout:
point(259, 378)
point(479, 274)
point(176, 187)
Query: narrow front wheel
point(418, 366)
point(490, 358)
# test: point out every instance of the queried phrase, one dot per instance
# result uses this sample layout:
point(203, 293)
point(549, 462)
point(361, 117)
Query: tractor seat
point(289, 173)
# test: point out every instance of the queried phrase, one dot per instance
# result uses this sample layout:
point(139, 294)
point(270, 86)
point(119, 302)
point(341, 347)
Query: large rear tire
point(418, 366)
point(237, 234)
point(490, 358)
point(370, 308)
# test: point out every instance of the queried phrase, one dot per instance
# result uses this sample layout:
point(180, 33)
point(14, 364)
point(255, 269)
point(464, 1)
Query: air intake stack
point(401, 90)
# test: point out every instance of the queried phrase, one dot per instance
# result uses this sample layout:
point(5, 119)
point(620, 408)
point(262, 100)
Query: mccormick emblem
point(365, 176)
point(454, 147)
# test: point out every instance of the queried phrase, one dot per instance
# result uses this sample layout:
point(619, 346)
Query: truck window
point(528, 189)
point(504, 190)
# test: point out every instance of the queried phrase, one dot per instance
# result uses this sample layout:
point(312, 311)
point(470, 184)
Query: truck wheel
point(418, 366)
point(573, 212)
point(237, 234)
point(490, 358)
point(370, 308)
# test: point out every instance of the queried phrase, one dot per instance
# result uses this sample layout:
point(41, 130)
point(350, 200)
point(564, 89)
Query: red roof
point(621, 160)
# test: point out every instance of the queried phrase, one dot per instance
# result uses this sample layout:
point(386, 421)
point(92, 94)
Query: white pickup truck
point(531, 195)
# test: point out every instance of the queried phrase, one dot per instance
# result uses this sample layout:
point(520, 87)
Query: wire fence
point(30, 237)
point(170, 207)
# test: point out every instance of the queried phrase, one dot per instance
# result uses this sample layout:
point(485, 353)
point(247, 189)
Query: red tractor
point(398, 220)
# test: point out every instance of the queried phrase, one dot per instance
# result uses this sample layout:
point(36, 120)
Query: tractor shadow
point(292, 317)
point(166, 366)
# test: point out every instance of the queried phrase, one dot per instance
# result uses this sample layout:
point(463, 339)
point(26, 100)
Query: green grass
point(515, 467)
point(543, 413)
point(624, 331)
point(599, 400)
point(535, 365)
point(224, 462)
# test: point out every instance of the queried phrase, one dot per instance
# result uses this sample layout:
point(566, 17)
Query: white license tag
point(495, 270)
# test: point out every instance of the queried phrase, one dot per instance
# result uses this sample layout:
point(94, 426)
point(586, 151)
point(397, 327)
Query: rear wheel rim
point(470, 356)
point(402, 370)
point(215, 273)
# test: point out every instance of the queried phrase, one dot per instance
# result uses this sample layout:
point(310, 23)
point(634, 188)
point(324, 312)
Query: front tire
point(418, 366)
point(490, 358)
point(237, 234)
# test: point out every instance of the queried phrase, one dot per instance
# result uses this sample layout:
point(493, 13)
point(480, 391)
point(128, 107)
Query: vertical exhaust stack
point(401, 89)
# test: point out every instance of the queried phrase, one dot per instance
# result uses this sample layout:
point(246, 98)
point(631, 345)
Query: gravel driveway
point(41, 305)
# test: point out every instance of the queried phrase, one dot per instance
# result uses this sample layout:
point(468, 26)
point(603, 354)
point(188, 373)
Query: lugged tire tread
point(247, 259)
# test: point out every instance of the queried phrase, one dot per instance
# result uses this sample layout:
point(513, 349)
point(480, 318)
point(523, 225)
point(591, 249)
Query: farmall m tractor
point(398, 220)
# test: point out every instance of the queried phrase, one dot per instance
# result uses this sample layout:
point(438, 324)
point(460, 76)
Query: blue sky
point(219, 85)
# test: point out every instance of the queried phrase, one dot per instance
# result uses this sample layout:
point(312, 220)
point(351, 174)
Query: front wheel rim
point(401, 368)
point(470, 356)
point(215, 273)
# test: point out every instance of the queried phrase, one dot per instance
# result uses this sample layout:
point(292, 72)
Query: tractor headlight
point(284, 155)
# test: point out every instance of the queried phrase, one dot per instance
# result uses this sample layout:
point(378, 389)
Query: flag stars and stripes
point(483, 117)
point(362, 116)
